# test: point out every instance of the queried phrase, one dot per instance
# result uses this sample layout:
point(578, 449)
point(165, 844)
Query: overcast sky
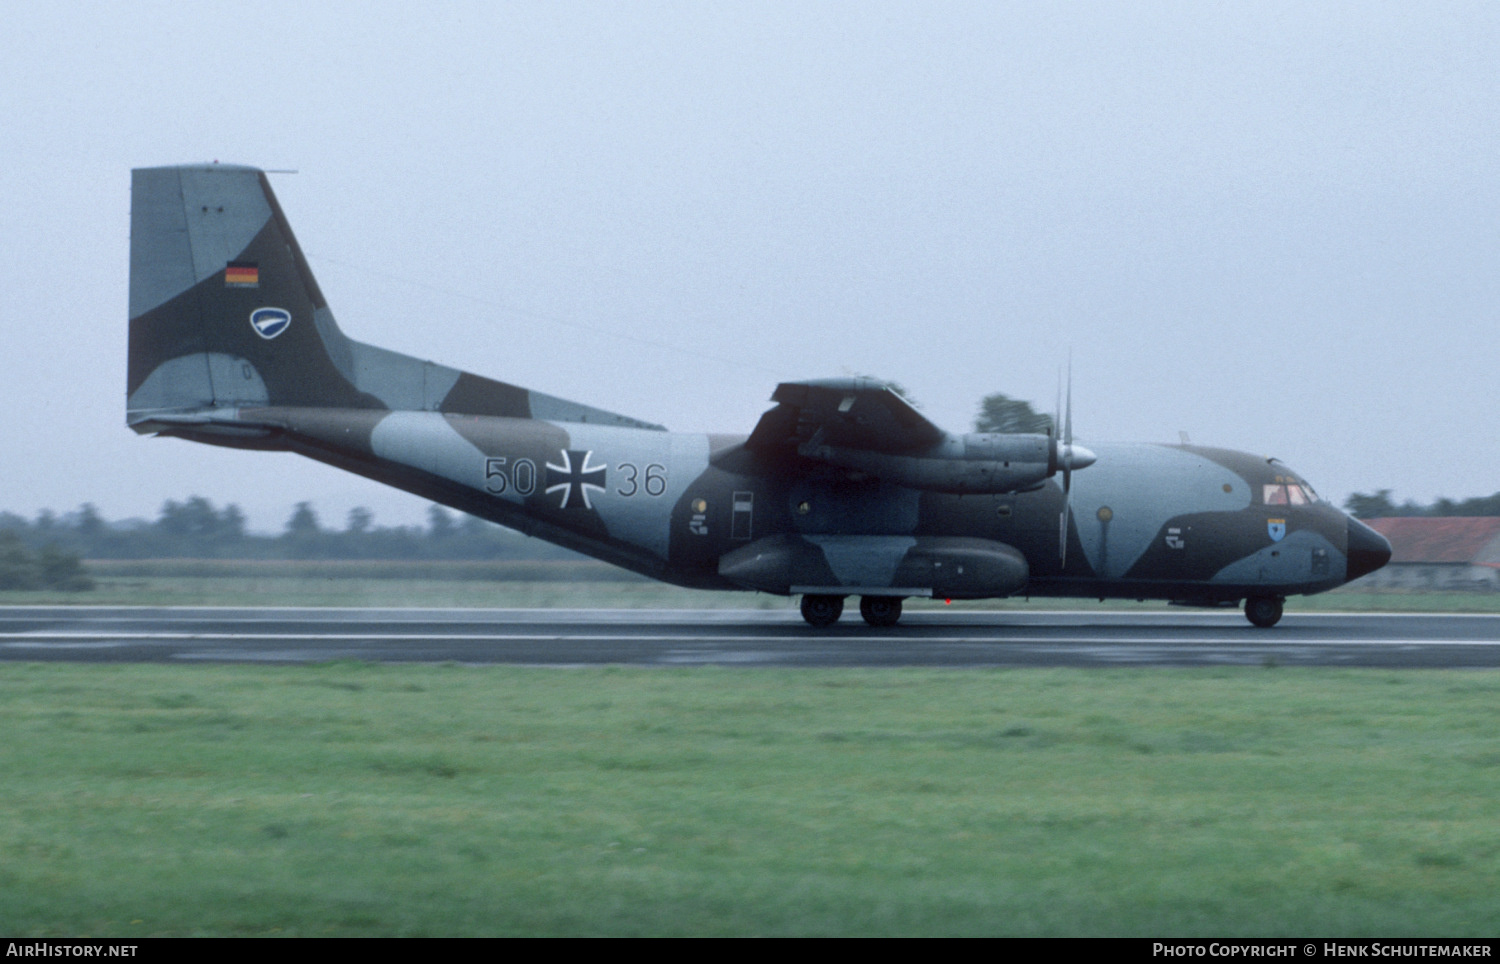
point(1273, 226)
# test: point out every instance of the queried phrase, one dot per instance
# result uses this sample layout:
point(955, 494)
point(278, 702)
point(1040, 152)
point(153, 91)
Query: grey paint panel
point(1283, 563)
point(222, 216)
point(426, 441)
point(402, 382)
point(160, 260)
point(236, 382)
point(180, 383)
point(864, 560)
point(1142, 486)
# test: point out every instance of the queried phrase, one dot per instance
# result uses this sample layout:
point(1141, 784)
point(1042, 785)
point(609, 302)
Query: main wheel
point(822, 611)
point(1263, 611)
point(880, 610)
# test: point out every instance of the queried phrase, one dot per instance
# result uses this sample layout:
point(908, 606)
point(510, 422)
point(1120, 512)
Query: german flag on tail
point(241, 274)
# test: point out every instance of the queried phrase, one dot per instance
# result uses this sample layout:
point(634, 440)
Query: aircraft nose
point(1368, 550)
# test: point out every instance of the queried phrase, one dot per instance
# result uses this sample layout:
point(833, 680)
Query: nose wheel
point(1263, 611)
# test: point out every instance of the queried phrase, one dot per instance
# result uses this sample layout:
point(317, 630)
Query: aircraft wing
point(844, 413)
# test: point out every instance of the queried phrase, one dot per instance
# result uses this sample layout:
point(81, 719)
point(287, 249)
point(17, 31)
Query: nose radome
point(1368, 550)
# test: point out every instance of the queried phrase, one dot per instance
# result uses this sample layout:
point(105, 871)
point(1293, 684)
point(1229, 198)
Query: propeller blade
point(1062, 537)
point(1068, 432)
point(1056, 431)
point(1065, 458)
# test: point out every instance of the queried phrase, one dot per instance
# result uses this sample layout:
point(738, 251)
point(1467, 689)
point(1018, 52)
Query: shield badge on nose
point(1276, 529)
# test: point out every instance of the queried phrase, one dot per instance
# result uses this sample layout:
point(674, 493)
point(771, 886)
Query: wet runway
point(560, 637)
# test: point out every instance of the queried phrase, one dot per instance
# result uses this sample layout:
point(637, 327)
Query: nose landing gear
point(1263, 611)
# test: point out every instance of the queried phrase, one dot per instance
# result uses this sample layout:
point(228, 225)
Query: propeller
point(1069, 457)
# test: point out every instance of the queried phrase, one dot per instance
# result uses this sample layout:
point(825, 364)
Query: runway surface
point(560, 637)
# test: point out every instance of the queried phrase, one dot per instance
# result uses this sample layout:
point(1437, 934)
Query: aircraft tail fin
point(225, 314)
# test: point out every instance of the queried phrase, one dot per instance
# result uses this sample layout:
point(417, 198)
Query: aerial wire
point(736, 363)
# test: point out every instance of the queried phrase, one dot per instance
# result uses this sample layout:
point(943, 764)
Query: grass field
point(351, 799)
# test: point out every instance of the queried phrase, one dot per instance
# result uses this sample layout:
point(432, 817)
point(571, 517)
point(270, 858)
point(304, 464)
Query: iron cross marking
point(575, 477)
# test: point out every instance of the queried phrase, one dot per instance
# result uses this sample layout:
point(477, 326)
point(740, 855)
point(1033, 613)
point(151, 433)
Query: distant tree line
point(49, 567)
point(197, 529)
point(1381, 506)
point(1010, 416)
point(998, 413)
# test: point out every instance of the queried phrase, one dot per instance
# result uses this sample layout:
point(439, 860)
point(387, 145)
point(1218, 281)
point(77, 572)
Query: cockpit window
point(1288, 493)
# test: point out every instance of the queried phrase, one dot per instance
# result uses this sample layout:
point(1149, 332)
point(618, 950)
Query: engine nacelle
point(974, 464)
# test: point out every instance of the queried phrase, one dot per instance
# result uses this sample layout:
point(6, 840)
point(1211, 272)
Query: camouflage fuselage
point(1147, 521)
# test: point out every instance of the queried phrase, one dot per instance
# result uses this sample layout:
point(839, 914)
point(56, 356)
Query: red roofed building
point(1452, 552)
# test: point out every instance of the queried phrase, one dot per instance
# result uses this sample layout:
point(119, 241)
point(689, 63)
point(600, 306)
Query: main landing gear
point(824, 611)
point(1263, 611)
point(880, 610)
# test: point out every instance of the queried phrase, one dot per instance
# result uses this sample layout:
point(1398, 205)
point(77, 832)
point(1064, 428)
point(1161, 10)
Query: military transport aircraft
point(842, 489)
